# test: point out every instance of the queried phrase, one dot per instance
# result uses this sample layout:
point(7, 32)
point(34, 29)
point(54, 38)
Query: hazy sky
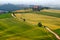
point(53, 2)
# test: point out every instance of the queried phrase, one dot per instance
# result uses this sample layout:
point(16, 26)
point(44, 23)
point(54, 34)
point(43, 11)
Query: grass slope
point(5, 15)
point(32, 18)
point(13, 29)
point(50, 14)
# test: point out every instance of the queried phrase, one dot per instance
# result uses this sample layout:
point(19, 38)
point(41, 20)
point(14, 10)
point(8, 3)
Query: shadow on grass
point(57, 31)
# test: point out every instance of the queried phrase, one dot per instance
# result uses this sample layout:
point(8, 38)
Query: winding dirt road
point(56, 35)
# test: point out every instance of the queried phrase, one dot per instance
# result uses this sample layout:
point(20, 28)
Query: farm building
point(37, 8)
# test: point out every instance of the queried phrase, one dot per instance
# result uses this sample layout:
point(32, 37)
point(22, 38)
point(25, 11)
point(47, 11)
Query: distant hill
point(2, 11)
point(11, 7)
point(56, 7)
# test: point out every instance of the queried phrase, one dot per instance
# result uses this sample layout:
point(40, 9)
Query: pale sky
point(38, 2)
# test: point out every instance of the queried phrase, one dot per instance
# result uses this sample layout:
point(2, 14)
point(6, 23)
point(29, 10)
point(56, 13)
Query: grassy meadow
point(16, 29)
point(47, 18)
point(5, 15)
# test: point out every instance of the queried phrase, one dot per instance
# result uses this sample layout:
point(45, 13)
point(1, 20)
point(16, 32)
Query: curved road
point(56, 35)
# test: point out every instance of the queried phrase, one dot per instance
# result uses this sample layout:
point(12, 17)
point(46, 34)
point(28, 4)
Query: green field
point(5, 15)
point(50, 14)
point(16, 29)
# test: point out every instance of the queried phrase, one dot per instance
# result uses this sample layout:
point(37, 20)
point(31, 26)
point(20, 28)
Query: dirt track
point(56, 35)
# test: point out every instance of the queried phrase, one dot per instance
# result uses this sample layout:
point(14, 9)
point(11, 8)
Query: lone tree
point(14, 14)
point(24, 20)
point(39, 24)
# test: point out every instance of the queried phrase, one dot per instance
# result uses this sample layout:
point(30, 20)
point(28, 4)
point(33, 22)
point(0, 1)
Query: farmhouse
point(37, 8)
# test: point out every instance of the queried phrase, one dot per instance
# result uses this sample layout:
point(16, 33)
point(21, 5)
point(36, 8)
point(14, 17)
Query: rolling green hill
point(14, 29)
point(50, 18)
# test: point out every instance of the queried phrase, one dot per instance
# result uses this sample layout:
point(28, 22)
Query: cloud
point(30, 1)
